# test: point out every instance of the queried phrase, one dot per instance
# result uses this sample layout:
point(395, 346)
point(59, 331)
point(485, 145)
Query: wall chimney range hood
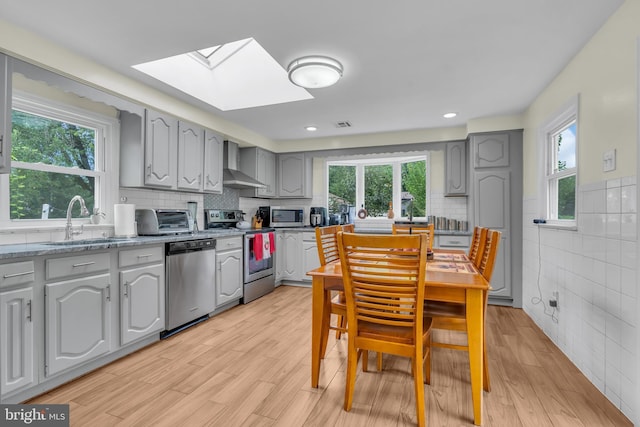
point(232, 177)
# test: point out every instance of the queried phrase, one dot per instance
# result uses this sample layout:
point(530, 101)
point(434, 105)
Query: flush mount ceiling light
point(449, 115)
point(311, 128)
point(313, 72)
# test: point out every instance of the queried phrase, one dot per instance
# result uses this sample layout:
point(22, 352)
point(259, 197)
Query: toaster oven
point(155, 222)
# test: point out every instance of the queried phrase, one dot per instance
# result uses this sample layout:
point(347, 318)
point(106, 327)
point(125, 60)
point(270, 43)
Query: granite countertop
point(81, 245)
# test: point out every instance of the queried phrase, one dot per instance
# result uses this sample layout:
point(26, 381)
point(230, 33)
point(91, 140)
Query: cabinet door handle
point(109, 292)
point(145, 255)
point(29, 306)
point(219, 265)
point(149, 170)
point(126, 289)
point(1, 144)
point(83, 264)
point(23, 273)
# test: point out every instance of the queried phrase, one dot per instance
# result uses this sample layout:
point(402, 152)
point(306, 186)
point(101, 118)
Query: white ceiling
point(405, 62)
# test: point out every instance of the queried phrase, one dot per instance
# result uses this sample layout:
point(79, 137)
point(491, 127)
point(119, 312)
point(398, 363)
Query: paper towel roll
point(124, 220)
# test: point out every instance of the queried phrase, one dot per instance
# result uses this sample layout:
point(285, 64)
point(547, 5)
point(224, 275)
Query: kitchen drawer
point(309, 236)
point(76, 265)
point(143, 255)
point(229, 243)
point(16, 273)
point(454, 241)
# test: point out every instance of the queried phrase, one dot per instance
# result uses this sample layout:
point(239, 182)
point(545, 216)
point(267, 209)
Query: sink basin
point(95, 241)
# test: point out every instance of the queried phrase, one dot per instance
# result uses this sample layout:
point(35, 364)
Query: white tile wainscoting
point(594, 272)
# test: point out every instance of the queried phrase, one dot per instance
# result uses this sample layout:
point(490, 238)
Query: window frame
point(548, 180)
point(106, 148)
point(368, 160)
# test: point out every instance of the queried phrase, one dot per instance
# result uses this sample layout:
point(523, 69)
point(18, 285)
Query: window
point(375, 183)
point(57, 153)
point(560, 142)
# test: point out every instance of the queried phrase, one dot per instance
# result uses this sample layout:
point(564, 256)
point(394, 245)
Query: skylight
point(231, 76)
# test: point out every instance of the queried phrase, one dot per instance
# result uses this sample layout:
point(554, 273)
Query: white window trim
point(106, 158)
point(563, 115)
point(374, 159)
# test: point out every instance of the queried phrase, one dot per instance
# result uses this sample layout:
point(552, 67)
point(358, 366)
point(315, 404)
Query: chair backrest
point(428, 229)
point(327, 243)
point(488, 258)
point(476, 248)
point(348, 228)
point(383, 278)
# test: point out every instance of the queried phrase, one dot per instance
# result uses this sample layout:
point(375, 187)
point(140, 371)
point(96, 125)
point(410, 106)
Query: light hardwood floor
point(250, 366)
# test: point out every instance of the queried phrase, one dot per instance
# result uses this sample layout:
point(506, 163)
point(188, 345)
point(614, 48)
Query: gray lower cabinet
point(452, 241)
point(229, 265)
point(297, 253)
point(77, 321)
point(310, 259)
point(142, 292)
point(5, 114)
point(17, 346)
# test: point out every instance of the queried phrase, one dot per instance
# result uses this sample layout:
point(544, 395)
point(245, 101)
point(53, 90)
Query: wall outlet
point(553, 302)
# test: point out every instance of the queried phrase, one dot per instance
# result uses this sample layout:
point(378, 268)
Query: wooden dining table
point(447, 279)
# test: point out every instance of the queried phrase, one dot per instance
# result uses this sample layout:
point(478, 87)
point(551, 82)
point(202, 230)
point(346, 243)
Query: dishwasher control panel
point(189, 245)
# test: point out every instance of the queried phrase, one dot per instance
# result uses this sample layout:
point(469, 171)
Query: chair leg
point(352, 366)
point(427, 366)
point(341, 322)
point(379, 361)
point(485, 370)
point(419, 385)
point(365, 360)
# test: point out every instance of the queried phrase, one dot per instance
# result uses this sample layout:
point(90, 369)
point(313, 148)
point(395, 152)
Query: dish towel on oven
point(267, 246)
point(272, 242)
point(258, 249)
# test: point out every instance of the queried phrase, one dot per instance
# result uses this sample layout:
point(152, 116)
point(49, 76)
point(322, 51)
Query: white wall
point(594, 269)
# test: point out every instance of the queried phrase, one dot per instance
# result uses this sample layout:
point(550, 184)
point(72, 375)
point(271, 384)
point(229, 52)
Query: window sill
point(558, 226)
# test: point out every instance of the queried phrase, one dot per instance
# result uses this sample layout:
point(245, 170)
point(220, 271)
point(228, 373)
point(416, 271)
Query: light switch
point(609, 161)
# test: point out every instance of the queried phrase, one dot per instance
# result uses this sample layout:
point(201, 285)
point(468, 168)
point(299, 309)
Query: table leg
point(475, 332)
point(317, 314)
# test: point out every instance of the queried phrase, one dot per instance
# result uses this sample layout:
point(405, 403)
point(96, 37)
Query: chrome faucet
point(68, 233)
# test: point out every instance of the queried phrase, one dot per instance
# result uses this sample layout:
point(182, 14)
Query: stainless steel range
point(259, 252)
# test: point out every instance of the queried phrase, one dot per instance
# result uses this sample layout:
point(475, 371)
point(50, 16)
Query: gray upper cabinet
point(162, 152)
point(456, 169)
point(148, 150)
point(190, 149)
point(295, 175)
point(161, 141)
point(491, 151)
point(213, 152)
point(5, 114)
point(261, 165)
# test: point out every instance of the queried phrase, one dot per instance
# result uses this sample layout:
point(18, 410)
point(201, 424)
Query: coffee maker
point(318, 216)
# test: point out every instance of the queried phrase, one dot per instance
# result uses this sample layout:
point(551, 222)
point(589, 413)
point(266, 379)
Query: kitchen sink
point(95, 241)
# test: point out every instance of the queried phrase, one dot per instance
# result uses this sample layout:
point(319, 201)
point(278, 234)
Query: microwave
point(286, 217)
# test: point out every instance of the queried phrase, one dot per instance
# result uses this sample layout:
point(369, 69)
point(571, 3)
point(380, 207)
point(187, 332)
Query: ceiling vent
point(343, 124)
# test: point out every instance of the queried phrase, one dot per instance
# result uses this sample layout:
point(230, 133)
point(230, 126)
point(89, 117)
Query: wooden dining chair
point(328, 252)
point(451, 316)
point(478, 240)
point(428, 229)
point(384, 281)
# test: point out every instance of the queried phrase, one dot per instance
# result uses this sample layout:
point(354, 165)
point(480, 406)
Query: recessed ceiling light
point(311, 128)
point(449, 115)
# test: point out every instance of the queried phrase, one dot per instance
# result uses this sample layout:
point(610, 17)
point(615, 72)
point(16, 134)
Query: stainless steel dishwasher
point(191, 283)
